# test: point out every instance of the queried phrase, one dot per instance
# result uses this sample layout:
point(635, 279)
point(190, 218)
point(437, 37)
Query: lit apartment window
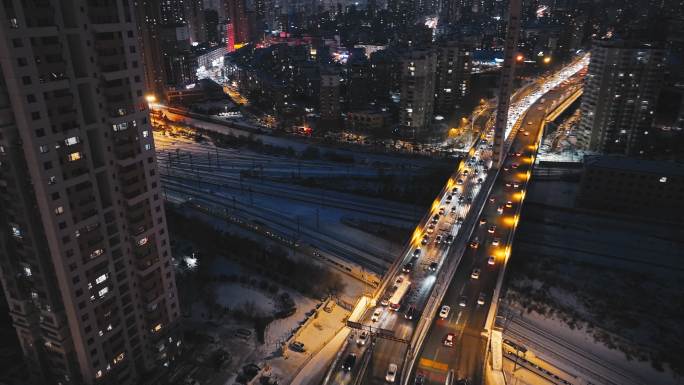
point(74, 156)
point(103, 292)
point(148, 146)
point(96, 253)
point(120, 126)
point(71, 141)
point(44, 148)
point(27, 271)
point(52, 180)
point(118, 358)
point(142, 241)
point(663, 179)
point(16, 231)
point(98, 374)
point(157, 328)
point(145, 133)
point(101, 279)
point(59, 210)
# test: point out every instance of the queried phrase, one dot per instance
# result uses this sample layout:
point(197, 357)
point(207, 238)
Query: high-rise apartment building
point(236, 11)
point(418, 67)
point(620, 95)
point(506, 81)
point(84, 252)
point(149, 24)
point(453, 76)
point(329, 96)
point(172, 11)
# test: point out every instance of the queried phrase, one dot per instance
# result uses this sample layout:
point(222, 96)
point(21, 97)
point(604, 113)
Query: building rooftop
point(623, 163)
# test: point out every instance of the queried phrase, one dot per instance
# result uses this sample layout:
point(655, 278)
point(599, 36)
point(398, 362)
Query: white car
point(376, 315)
point(475, 274)
point(491, 261)
point(496, 241)
point(444, 311)
point(391, 373)
point(481, 299)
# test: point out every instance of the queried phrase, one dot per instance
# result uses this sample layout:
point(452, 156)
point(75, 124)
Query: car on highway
point(496, 241)
point(420, 379)
point(481, 299)
point(459, 220)
point(483, 221)
point(449, 339)
point(376, 315)
point(500, 209)
point(430, 229)
point(453, 209)
point(461, 198)
point(459, 181)
point(508, 184)
point(399, 279)
point(480, 180)
point(491, 229)
point(444, 311)
point(475, 274)
point(410, 312)
point(526, 133)
point(449, 238)
point(529, 123)
point(442, 210)
point(454, 190)
point(516, 185)
point(463, 301)
point(363, 337)
point(416, 252)
point(297, 346)
point(469, 200)
point(448, 199)
point(474, 243)
point(492, 200)
point(509, 204)
point(514, 166)
point(465, 172)
point(385, 301)
point(433, 266)
point(491, 260)
point(349, 362)
point(425, 240)
point(391, 374)
point(407, 267)
point(438, 239)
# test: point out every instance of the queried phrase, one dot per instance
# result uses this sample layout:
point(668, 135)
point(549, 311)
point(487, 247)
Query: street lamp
point(547, 60)
point(519, 58)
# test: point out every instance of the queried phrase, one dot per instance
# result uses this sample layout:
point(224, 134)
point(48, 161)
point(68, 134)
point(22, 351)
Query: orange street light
point(520, 57)
point(547, 60)
point(150, 98)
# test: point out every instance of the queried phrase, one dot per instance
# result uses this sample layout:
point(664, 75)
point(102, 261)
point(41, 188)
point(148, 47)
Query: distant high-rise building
point(236, 11)
point(329, 96)
point(149, 24)
point(418, 67)
point(358, 79)
point(211, 22)
point(172, 11)
point(506, 80)
point(620, 95)
point(453, 76)
point(194, 13)
point(84, 249)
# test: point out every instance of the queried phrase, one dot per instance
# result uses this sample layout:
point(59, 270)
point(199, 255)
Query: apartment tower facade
point(620, 94)
point(418, 68)
point(84, 252)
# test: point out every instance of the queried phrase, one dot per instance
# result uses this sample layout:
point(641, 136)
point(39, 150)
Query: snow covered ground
point(596, 295)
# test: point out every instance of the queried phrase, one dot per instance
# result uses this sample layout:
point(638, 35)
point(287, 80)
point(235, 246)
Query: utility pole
point(506, 82)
